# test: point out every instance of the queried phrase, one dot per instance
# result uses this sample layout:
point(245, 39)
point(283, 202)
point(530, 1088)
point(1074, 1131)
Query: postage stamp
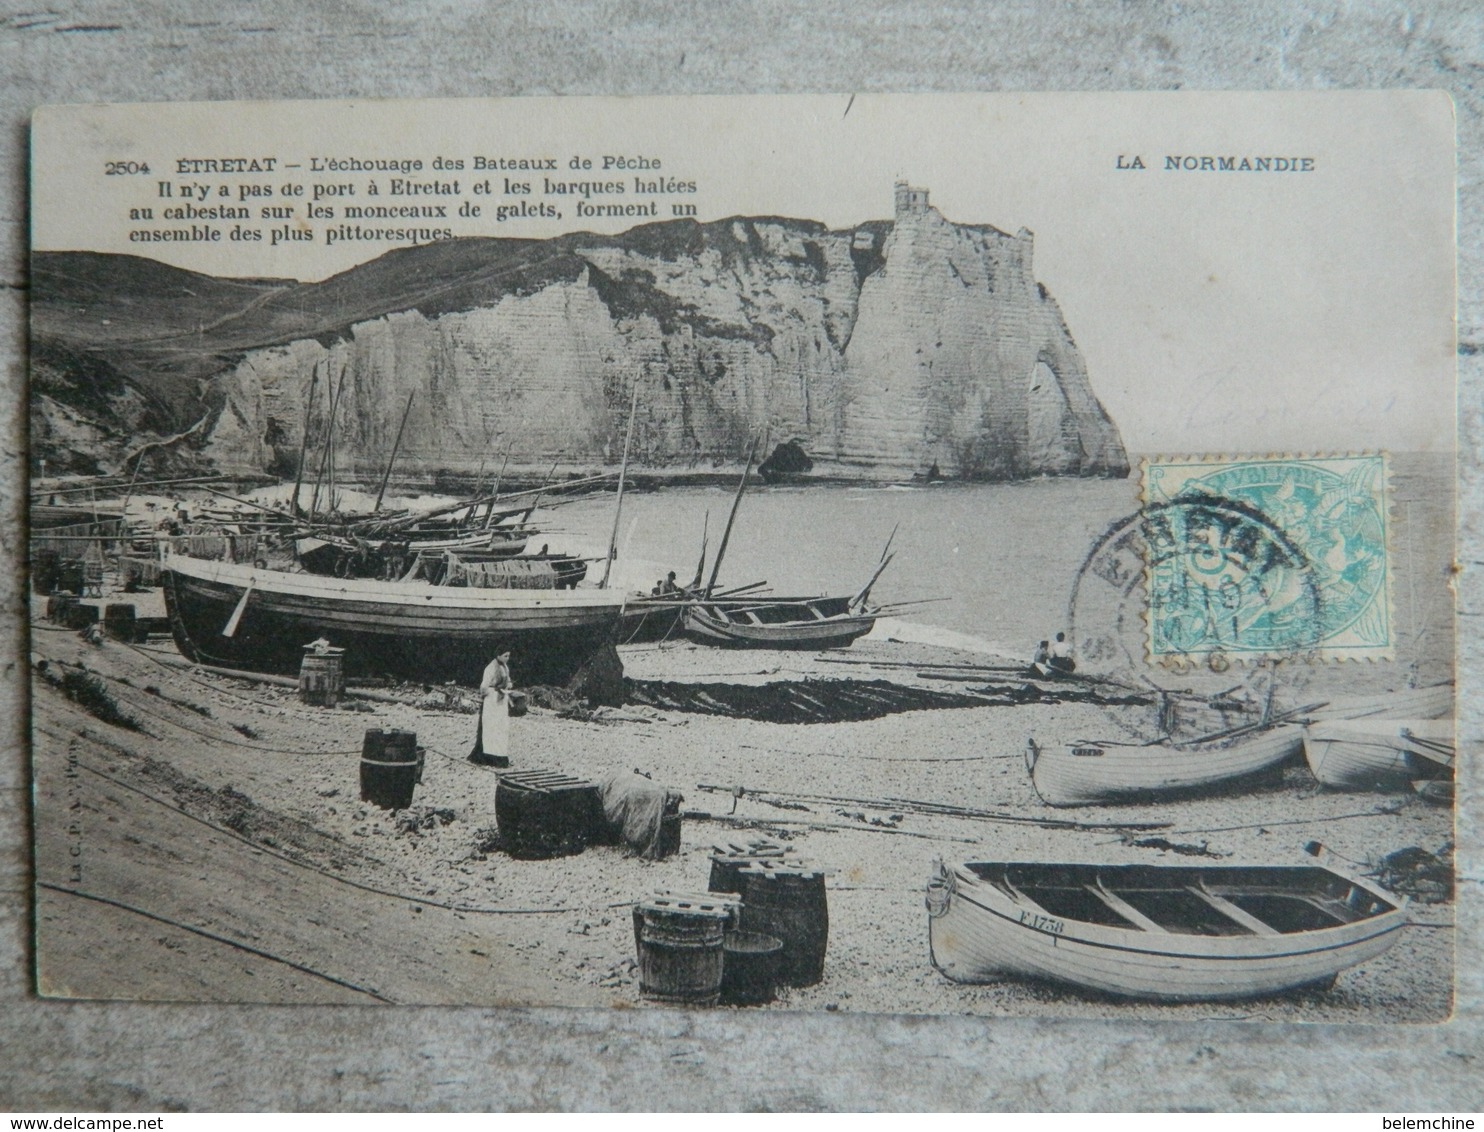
point(1264, 555)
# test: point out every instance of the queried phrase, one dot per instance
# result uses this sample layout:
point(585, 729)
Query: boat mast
point(324, 457)
point(396, 444)
point(124, 510)
point(623, 469)
point(531, 510)
point(304, 439)
point(865, 591)
point(701, 565)
point(727, 533)
point(334, 413)
point(489, 512)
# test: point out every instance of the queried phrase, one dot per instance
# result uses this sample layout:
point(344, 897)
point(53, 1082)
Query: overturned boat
point(1162, 932)
point(1432, 702)
point(259, 620)
point(1102, 773)
point(1379, 754)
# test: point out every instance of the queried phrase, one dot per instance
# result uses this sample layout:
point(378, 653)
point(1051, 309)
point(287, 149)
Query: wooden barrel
point(70, 575)
point(728, 861)
point(787, 900)
point(668, 843)
point(46, 570)
point(730, 901)
point(119, 621)
point(542, 813)
point(389, 768)
point(749, 969)
point(680, 949)
point(59, 608)
point(75, 613)
point(322, 677)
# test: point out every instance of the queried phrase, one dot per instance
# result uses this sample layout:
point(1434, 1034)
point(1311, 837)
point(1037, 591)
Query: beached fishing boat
point(823, 622)
point(1433, 702)
point(1438, 791)
point(260, 620)
point(365, 558)
point(780, 623)
point(1161, 932)
point(1379, 754)
point(1101, 773)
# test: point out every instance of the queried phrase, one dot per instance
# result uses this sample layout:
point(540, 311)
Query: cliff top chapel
point(881, 350)
point(960, 357)
point(910, 200)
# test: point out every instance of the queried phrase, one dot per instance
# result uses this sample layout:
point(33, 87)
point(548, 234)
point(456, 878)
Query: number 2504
point(119, 168)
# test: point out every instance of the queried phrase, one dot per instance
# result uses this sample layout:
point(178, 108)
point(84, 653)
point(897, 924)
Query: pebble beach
point(214, 847)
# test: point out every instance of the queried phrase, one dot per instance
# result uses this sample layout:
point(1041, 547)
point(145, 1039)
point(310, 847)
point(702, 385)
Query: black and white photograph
point(888, 554)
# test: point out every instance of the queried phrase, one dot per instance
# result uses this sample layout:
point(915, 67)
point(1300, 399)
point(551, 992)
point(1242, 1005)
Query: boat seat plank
point(1125, 909)
point(1336, 908)
point(1009, 889)
point(1232, 912)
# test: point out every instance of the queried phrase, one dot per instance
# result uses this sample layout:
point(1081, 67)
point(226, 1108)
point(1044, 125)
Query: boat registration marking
point(1042, 923)
point(1087, 752)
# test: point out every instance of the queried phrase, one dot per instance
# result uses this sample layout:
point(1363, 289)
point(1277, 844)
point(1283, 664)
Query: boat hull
point(983, 931)
point(409, 631)
point(1434, 702)
point(1374, 755)
point(822, 624)
point(339, 560)
point(1090, 774)
point(651, 619)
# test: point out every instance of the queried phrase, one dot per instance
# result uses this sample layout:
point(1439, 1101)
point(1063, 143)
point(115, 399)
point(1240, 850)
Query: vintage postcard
point(918, 554)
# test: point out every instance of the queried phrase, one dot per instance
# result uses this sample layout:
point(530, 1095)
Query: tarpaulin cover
point(635, 807)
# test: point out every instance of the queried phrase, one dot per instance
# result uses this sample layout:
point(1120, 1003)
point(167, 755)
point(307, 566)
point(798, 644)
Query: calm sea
point(1005, 555)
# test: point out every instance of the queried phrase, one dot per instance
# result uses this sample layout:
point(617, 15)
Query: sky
point(1217, 311)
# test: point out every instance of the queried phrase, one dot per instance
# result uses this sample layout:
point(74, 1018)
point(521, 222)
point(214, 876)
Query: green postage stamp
point(1266, 557)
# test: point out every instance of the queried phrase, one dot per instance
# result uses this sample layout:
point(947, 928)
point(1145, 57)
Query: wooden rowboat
point(1438, 791)
point(802, 623)
point(259, 620)
point(778, 623)
point(1162, 932)
point(344, 558)
point(1081, 774)
point(1379, 754)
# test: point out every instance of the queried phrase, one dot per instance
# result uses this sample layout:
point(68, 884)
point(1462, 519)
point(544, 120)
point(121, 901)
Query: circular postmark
point(1206, 604)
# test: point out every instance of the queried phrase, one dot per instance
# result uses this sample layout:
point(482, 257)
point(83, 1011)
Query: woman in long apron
point(492, 739)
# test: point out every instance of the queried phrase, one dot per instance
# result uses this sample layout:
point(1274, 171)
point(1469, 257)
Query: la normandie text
point(1184, 163)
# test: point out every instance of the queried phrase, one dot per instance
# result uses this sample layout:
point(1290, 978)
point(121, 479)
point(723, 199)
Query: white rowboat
point(1433, 702)
point(1379, 754)
point(1162, 932)
point(1092, 773)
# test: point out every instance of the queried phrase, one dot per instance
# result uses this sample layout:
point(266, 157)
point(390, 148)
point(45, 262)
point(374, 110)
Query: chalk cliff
point(881, 350)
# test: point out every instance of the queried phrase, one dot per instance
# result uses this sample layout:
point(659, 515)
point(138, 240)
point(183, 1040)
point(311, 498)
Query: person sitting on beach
point(1061, 654)
point(1043, 654)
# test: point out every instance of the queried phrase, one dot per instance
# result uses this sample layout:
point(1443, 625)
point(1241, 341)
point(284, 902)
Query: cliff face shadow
point(834, 701)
